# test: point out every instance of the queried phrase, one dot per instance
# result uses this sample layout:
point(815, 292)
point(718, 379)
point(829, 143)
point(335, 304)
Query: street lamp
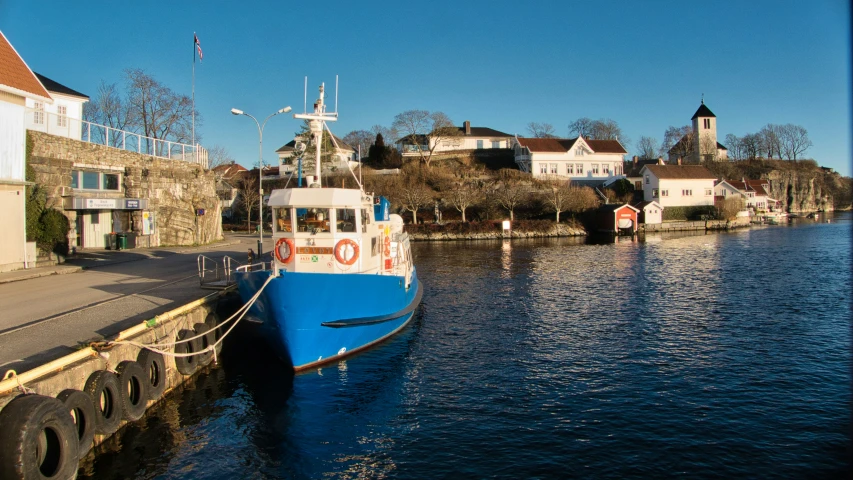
point(261, 126)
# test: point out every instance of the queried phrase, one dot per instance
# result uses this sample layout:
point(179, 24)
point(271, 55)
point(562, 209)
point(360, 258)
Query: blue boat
point(342, 276)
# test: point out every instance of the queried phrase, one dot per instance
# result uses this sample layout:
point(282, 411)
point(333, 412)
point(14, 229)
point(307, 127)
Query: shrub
point(53, 232)
point(690, 213)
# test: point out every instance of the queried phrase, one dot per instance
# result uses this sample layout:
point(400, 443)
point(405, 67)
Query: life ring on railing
point(290, 249)
point(346, 251)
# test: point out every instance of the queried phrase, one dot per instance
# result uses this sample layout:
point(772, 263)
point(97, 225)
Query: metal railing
point(74, 128)
point(209, 272)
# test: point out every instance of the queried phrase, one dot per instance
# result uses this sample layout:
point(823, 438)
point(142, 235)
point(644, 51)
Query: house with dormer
point(753, 192)
point(467, 138)
point(701, 144)
point(18, 86)
point(575, 159)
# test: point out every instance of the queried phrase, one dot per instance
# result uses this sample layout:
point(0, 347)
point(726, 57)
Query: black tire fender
point(133, 390)
point(38, 439)
point(103, 387)
point(82, 409)
point(187, 365)
point(154, 365)
point(212, 322)
point(208, 338)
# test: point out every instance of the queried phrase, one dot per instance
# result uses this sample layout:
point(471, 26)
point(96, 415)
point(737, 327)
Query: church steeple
point(704, 132)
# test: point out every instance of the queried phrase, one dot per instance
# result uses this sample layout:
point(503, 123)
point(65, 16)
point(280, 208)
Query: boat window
point(365, 219)
point(313, 220)
point(284, 221)
point(345, 218)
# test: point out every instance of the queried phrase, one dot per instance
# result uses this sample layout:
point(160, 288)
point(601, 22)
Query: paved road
point(45, 318)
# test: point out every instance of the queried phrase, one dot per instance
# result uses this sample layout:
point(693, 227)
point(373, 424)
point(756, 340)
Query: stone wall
point(175, 189)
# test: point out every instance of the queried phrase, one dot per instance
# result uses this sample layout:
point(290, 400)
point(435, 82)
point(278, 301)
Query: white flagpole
point(195, 148)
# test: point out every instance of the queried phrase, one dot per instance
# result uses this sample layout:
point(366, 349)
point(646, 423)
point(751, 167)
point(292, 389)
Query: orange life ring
point(290, 249)
point(341, 250)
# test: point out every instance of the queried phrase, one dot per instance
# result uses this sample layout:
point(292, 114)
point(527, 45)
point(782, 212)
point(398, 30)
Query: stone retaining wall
point(175, 189)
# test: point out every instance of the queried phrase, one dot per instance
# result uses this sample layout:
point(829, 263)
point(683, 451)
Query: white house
point(343, 155)
point(753, 192)
point(678, 185)
point(569, 158)
point(63, 117)
point(18, 85)
point(468, 138)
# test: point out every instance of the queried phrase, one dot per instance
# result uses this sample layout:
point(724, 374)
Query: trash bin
point(111, 241)
point(121, 241)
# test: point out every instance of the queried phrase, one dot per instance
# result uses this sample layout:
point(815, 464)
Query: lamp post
point(261, 126)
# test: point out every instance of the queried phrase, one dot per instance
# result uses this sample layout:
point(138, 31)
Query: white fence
point(89, 132)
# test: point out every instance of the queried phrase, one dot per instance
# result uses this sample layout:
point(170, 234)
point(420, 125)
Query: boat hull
point(309, 319)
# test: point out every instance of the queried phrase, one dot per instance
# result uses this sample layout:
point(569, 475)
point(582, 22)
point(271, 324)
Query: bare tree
point(509, 190)
point(541, 130)
point(411, 193)
point(708, 148)
point(158, 111)
point(249, 197)
point(580, 199)
point(108, 109)
point(679, 141)
point(434, 128)
point(360, 139)
point(555, 194)
point(219, 155)
point(391, 135)
point(752, 145)
point(606, 129)
point(794, 140)
point(735, 146)
point(771, 140)
point(728, 208)
point(648, 148)
point(581, 127)
point(462, 193)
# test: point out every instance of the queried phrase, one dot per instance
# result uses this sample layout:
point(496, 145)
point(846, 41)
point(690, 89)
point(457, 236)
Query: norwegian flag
point(198, 47)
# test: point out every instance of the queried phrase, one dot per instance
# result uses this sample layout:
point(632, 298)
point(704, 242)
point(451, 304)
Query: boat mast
point(315, 124)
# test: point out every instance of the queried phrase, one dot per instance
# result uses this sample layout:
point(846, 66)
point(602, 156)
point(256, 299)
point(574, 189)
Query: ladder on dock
point(212, 276)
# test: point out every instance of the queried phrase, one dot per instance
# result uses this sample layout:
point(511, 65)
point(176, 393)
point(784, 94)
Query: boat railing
point(212, 275)
point(254, 267)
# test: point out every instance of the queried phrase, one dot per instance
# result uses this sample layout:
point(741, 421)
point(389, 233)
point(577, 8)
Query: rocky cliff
point(800, 190)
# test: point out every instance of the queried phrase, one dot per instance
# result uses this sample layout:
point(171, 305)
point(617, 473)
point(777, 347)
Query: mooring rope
point(158, 347)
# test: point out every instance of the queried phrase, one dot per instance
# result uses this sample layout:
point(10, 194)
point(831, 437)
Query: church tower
point(704, 134)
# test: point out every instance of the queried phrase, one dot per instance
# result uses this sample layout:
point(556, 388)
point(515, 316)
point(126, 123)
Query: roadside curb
point(66, 269)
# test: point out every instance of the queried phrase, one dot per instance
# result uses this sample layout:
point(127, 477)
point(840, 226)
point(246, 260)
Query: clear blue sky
point(498, 64)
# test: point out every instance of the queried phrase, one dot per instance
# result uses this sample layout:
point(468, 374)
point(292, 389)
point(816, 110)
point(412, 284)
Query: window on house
point(595, 169)
point(664, 193)
point(553, 169)
point(494, 144)
point(38, 113)
point(725, 192)
point(647, 179)
point(479, 144)
point(655, 192)
point(579, 168)
point(708, 192)
point(570, 169)
point(687, 193)
point(605, 169)
point(95, 180)
point(543, 168)
point(61, 118)
point(707, 123)
point(579, 151)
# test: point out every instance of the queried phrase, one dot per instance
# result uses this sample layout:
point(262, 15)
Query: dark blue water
point(701, 356)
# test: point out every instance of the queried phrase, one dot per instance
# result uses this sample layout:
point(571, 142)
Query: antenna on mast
point(305, 96)
point(336, 95)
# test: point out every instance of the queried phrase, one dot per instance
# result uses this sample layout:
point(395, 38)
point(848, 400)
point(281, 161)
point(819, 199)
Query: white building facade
point(678, 185)
point(62, 117)
point(569, 158)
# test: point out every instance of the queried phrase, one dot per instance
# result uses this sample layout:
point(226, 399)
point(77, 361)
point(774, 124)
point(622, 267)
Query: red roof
point(566, 144)
point(228, 170)
point(15, 76)
point(681, 172)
